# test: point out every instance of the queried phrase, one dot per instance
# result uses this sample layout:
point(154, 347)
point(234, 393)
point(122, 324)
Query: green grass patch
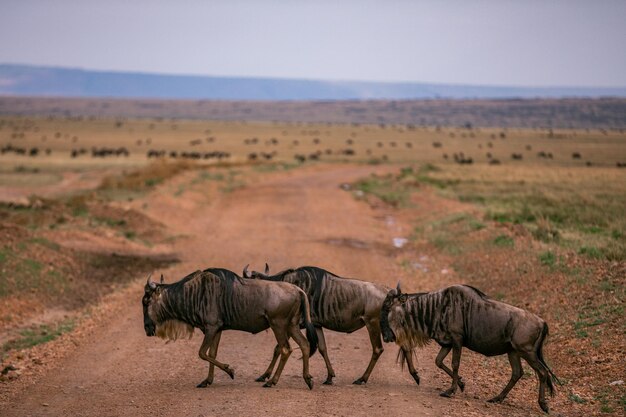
point(153, 182)
point(4, 254)
point(38, 335)
point(110, 222)
point(386, 188)
point(45, 242)
point(591, 252)
point(547, 258)
point(475, 224)
point(593, 316)
point(576, 398)
point(504, 241)
point(556, 207)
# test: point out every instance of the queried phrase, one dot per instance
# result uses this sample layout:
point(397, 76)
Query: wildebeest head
point(151, 294)
point(394, 299)
point(255, 274)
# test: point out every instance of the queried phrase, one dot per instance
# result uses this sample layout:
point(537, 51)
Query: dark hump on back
point(227, 276)
point(478, 292)
point(317, 272)
point(318, 276)
point(176, 286)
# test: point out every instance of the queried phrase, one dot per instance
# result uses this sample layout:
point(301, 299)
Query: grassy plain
point(544, 232)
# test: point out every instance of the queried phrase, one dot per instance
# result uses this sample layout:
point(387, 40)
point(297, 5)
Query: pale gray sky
point(488, 42)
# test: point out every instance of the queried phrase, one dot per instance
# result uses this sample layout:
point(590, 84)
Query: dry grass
point(549, 239)
point(371, 142)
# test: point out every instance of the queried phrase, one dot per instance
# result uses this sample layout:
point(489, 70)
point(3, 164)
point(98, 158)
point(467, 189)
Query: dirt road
point(288, 219)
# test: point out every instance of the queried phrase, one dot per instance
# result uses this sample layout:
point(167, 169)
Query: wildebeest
point(217, 299)
point(340, 304)
point(462, 316)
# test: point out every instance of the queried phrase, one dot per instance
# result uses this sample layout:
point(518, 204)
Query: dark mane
point(316, 271)
point(479, 292)
point(224, 274)
point(175, 286)
point(227, 283)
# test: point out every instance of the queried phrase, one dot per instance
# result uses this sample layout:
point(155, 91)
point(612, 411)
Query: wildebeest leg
point(439, 362)
point(270, 368)
point(212, 353)
point(209, 334)
point(456, 362)
point(294, 332)
point(373, 328)
point(516, 374)
point(280, 332)
point(408, 356)
point(321, 345)
point(542, 374)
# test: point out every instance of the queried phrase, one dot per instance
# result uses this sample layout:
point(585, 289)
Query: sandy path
point(288, 219)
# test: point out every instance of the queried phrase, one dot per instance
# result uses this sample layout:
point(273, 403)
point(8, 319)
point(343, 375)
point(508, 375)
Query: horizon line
point(305, 79)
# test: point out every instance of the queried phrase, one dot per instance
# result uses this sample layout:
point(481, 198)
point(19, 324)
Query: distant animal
point(340, 304)
point(217, 299)
point(517, 156)
point(576, 155)
point(462, 316)
point(461, 159)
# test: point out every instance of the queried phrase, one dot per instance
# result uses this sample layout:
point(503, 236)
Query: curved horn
point(267, 269)
point(161, 278)
point(150, 283)
point(398, 288)
point(246, 274)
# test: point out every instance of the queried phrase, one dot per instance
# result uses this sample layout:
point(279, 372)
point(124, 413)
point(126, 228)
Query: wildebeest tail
point(401, 358)
point(311, 334)
point(552, 378)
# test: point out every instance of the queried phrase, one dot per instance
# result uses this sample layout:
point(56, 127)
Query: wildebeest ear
point(398, 289)
point(161, 278)
point(267, 269)
point(245, 272)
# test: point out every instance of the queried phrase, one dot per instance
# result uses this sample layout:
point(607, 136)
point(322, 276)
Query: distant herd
point(122, 151)
point(314, 299)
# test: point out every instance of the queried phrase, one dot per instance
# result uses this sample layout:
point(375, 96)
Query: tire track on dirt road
point(287, 219)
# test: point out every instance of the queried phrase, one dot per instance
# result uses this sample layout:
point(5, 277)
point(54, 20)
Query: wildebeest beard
point(172, 330)
point(403, 328)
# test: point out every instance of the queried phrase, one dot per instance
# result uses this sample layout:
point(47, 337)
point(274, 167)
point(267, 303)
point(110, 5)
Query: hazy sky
point(497, 42)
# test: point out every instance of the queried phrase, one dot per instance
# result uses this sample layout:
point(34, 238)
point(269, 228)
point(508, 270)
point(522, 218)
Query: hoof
point(495, 400)
point(262, 378)
point(309, 382)
point(416, 377)
point(461, 385)
point(268, 384)
point(203, 384)
point(230, 372)
point(544, 406)
point(328, 381)
point(448, 394)
point(360, 381)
